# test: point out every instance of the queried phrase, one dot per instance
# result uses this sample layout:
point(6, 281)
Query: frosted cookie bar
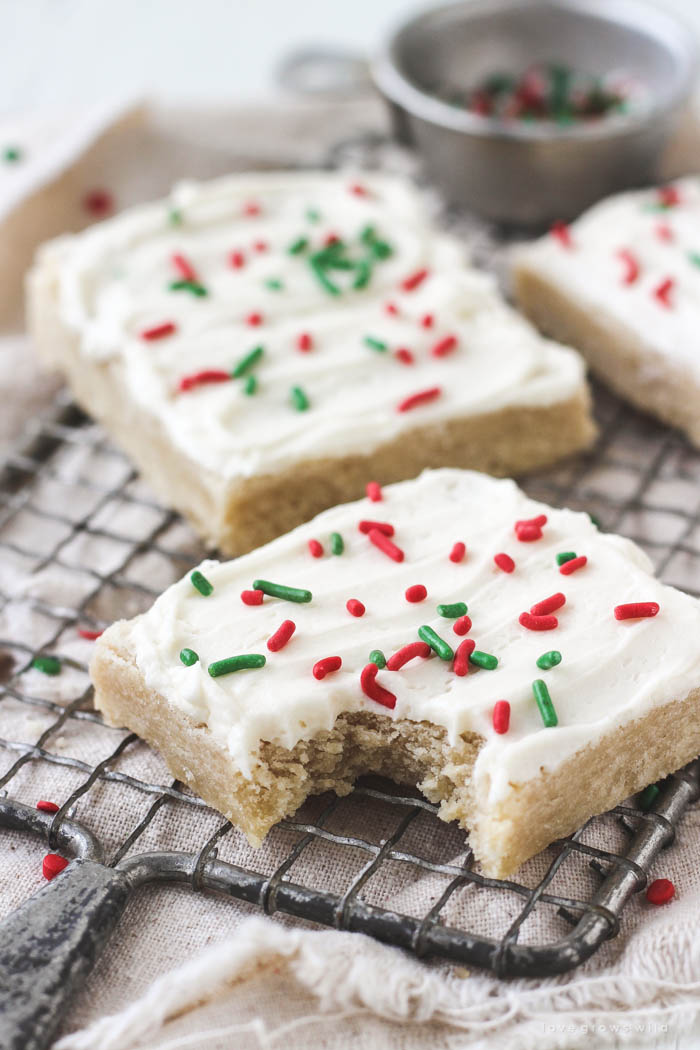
point(523, 669)
point(263, 344)
point(622, 284)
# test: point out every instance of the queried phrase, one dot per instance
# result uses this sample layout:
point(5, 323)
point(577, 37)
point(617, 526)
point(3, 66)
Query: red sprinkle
point(464, 651)
point(504, 562)
point(251, 208)
point(159, 331)
point(252, 597)
point(355, 607)
point(254, 319)
point(52, 865)
point(237, 260)
point(458, 551)
point(408, 652)
point(381, 526)
point(463, 625)
point(631, 266)
point(669, 196)
point(85, 632)
point(416, 593)
point(185, 269)
point(663, 291)
point(573, 566)
point(327, 665)
point(372, 688)
point(47, 807)
point(527, 532)
point(385, 544)
point(209, 375)
point(359, 190)
point(304, 342)
point(548, 605)
point(330, 238)
point(374, 491)
point(636, 610)
point(421, 398)
point(539, 522)
point(664, 232)
point(501, 716)
point(98, 202)
point(260, 246)
point(427, 320)
point(445, 346)
point(562, 233)
point(409, 284)
point(279, 639)
point(660, 891)
point(537, 623)
point(391, 308)
point(404, 356)
point(315, 549)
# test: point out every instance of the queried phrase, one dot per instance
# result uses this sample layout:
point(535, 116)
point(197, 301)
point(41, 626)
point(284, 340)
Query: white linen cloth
point(185, 970)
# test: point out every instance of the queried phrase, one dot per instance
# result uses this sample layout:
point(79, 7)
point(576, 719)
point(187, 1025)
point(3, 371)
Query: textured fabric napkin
point(184, 970)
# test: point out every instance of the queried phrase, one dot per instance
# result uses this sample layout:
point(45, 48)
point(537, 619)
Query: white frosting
point(612, 671)
point(592, 271)
point(112, 283)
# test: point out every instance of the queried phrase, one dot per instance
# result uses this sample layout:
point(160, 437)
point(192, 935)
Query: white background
point(69, 51)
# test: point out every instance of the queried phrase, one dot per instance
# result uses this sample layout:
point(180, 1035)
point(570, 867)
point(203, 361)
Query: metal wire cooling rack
point(640, 477)
point(82, 541)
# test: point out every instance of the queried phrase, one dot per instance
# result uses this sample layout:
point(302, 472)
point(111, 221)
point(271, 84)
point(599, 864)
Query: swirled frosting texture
point(238, 235)
point(611, 671)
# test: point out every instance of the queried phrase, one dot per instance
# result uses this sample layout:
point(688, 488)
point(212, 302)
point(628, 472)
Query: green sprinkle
point(377, 657)
point(548, 660)
point(694, 258)
point(436, 643)
point(544, 702)
point(368, 235)
point(247, 362)
point(236, 663)
point(11, 154)
point(381, 249)
point(565, 556)
point(375, 344)
point(201, 583)
point(47, 664)
point(336, 262)
point(484, 660)
point(188, 657)
point(250, 385)
point(175, 217)
point(318, 268)
point(596, 521)
point(299, 399)
point(648, 797)
point(313, 215)
point(298, 246)
point(453, 610)
point(189, 286)
point(364, 272)
point(337, 545)
point(274, 284)
point(278, 590)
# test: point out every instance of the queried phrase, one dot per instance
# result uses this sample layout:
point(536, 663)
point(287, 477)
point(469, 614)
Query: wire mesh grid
point(83, 542)
point(340, 862)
